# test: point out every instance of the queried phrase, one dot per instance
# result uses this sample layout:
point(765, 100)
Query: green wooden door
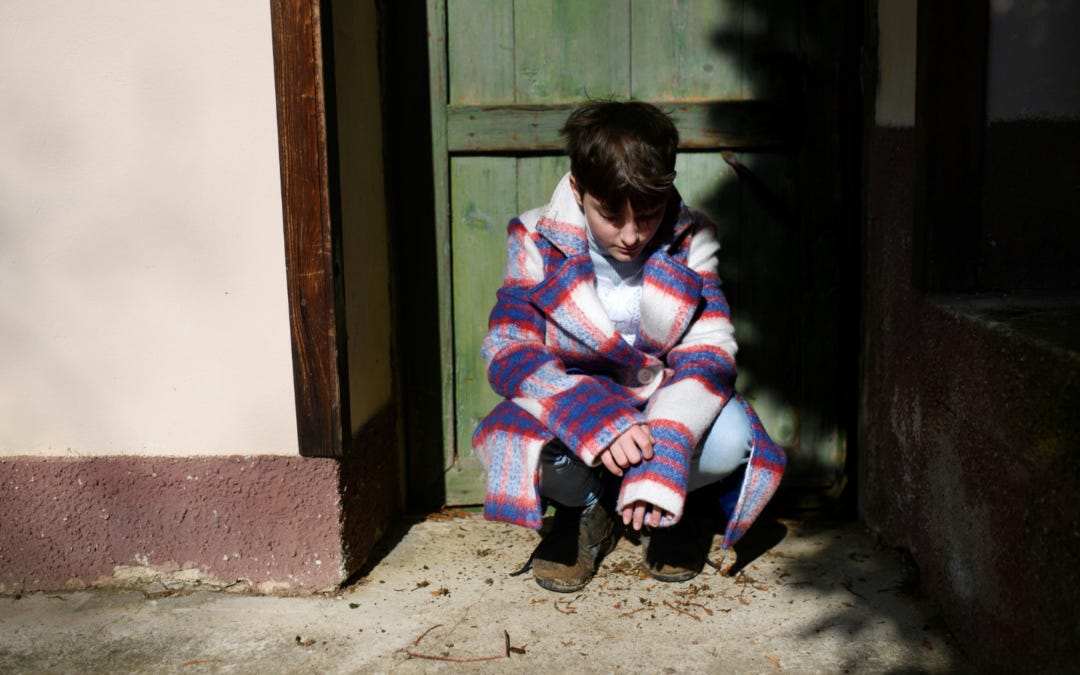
point(505, 73)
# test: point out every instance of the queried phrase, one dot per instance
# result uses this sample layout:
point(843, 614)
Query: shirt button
point(645, 376)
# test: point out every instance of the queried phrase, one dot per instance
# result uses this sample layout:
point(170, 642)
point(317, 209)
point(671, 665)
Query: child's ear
point(577, 193)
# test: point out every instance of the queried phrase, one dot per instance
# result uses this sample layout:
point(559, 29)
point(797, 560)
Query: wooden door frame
point(310, 187)
point(303, 79)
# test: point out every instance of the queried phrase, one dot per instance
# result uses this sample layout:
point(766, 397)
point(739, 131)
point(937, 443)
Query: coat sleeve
point(700, 381)
point(579, 409)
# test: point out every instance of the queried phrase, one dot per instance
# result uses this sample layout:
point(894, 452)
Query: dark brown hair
point(622, 150)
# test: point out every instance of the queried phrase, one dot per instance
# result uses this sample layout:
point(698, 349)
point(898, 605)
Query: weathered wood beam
point(706, 125)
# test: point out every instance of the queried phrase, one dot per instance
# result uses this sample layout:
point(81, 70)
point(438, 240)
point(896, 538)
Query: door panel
point(483, 191)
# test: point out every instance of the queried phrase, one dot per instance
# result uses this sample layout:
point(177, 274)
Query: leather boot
point(677, 553)
point(568, 556)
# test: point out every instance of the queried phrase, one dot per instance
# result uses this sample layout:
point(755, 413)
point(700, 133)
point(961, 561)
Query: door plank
point(537, 177)
point(768, 300)
point(687, 50)
point(436, 17)
point(480, 51)
point(483, 200)
point(770, 42)
point(568, 50)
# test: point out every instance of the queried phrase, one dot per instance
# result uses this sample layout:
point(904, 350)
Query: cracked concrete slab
point(800, 596)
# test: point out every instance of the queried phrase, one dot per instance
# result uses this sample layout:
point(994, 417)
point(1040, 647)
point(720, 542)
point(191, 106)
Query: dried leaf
point(448, 514)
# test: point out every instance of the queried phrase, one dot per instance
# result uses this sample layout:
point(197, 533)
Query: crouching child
point(612, 345)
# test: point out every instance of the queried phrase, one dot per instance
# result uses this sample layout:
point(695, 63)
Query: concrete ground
point(800, 596)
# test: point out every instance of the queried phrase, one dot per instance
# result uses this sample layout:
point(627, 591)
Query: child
point(611, 343)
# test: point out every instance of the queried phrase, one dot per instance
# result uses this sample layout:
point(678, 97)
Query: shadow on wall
point(789, 228)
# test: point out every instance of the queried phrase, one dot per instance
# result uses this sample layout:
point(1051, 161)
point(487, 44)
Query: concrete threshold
point(800, 596)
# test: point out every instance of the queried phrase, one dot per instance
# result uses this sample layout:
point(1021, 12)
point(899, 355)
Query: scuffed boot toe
point(568, 556)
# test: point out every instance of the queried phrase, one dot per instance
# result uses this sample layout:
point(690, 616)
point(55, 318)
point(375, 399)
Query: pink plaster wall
point(267, 519)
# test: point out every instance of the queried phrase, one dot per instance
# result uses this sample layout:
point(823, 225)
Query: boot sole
point(673, 578)
point(553, 585)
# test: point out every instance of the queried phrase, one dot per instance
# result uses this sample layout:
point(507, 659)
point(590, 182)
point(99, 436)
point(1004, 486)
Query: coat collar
point(562, 222)
point(671, 291)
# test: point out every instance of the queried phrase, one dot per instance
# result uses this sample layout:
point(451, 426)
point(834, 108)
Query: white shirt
point(619, 286)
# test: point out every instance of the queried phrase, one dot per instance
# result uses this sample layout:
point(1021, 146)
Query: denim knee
point(724, 449)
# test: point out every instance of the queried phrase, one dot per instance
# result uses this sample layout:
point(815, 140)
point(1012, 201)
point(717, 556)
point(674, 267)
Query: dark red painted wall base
point(274, 523)
point(969, 445)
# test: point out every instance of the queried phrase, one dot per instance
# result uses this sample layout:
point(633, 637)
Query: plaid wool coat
point(564, 371)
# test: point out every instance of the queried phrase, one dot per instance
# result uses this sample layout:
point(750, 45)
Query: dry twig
point(507, 651)
point(423, 635)
point(687, 603)
point(695, 617)
point(635, 611)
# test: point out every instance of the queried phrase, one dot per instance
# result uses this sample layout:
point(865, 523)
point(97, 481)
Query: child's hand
point(632, 447)
point(642, 513)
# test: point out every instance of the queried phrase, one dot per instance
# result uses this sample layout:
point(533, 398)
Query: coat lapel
point(671, 291)
point(670, 295)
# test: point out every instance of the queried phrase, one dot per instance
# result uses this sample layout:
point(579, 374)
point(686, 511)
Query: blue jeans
point(566, 480)
point(725, 448)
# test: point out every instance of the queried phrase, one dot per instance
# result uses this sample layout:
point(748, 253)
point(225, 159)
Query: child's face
point(622, 232)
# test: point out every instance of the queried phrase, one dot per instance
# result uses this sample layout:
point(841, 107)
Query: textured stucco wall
point(147, 421)
point(143, 309)
point(272, 520)
point(969, 440)
point(265, 523)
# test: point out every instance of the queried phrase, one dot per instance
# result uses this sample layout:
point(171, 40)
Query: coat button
point(645, 376)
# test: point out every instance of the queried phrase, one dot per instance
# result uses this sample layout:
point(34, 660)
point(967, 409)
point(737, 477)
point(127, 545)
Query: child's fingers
point(644, 441)
point(609, 463)
point(655, 516)
point(625, 450)
point(618, 454)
